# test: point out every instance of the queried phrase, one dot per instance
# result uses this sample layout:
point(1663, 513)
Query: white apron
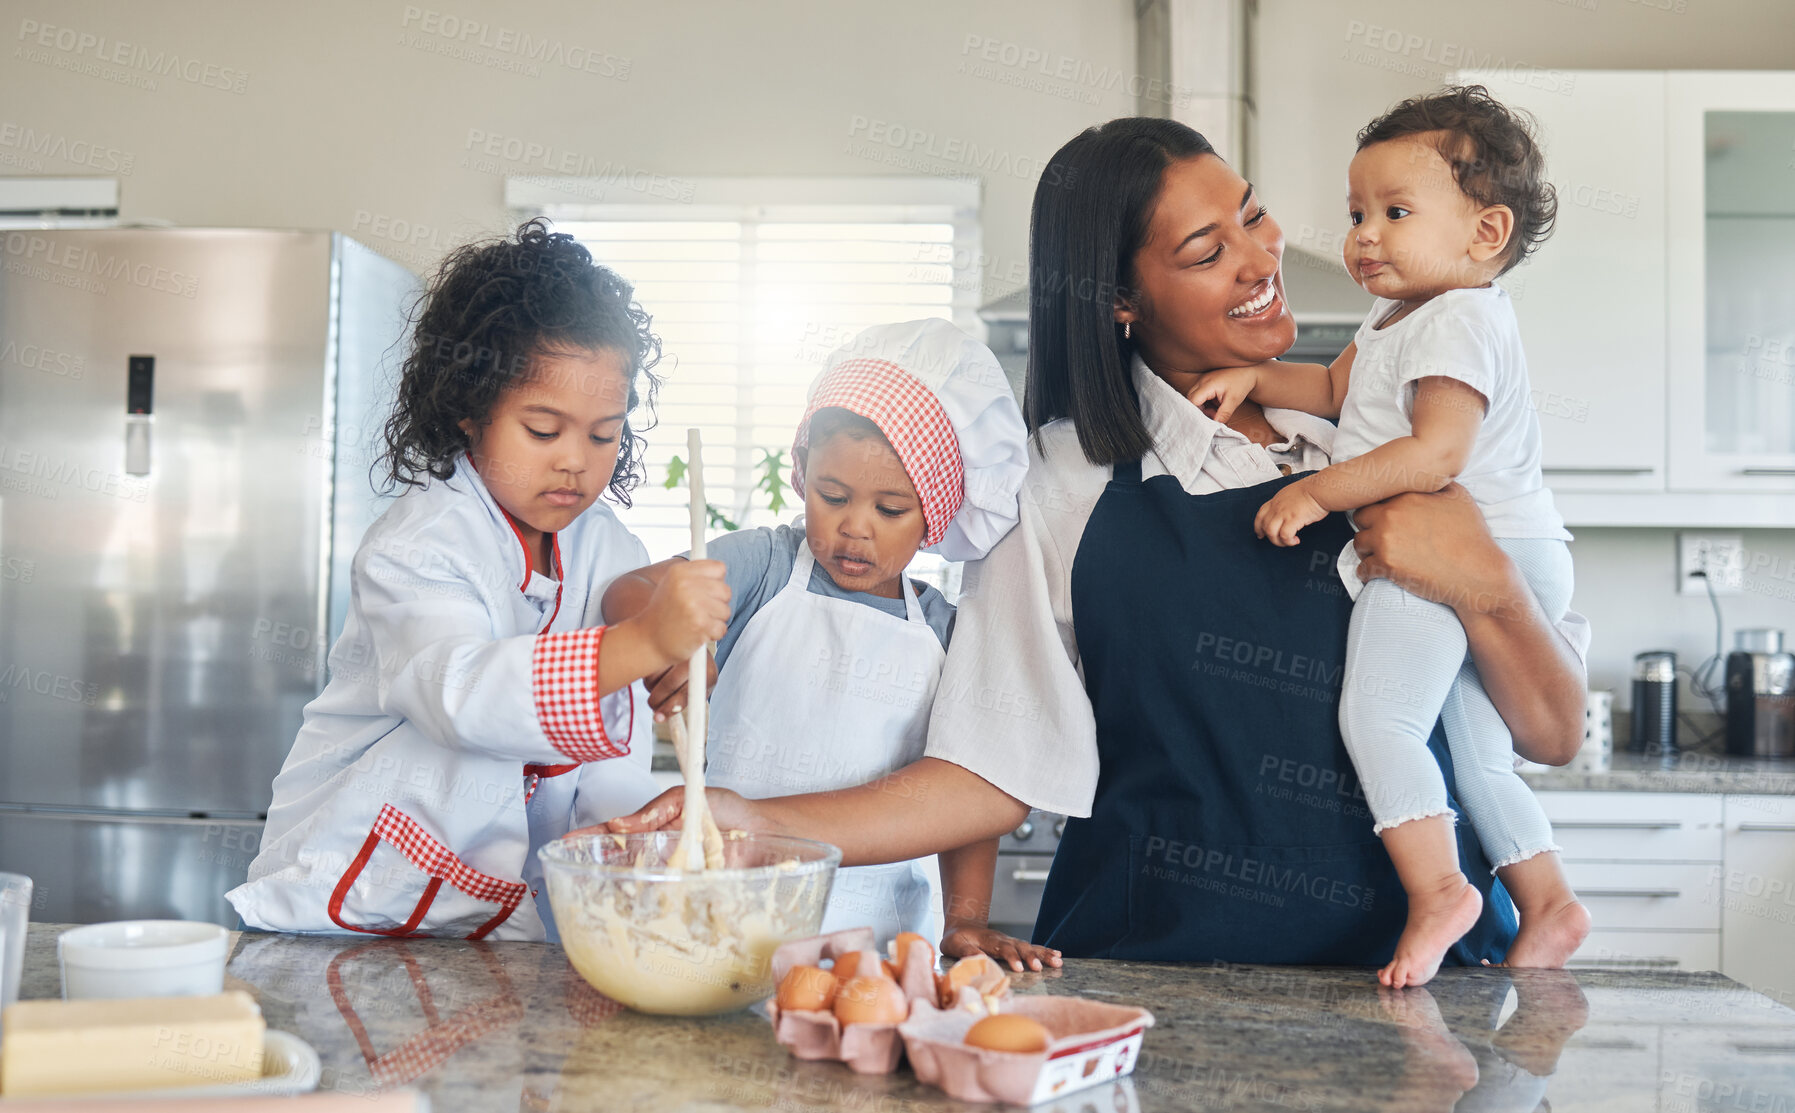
point(822, 693)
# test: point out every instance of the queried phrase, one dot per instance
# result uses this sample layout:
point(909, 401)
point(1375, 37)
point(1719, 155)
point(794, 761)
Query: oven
point(1023, 858)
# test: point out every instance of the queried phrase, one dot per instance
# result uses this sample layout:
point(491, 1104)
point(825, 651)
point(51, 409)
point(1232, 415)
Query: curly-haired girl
point(476, 708)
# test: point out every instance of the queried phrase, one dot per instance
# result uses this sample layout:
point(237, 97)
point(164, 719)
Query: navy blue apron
point(1228, 824)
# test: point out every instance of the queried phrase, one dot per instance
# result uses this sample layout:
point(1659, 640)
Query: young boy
point(1447, 192)
point(911, 440)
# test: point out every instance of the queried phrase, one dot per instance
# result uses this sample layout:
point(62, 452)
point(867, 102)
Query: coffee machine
point(1760, 696)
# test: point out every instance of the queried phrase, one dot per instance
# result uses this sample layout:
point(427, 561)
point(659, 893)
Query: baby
point(1446, 193)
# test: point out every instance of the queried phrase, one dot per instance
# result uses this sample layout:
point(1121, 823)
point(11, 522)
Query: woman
point(1130, 655)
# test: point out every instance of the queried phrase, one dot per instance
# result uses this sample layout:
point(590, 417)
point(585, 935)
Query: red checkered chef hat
point(941, 399)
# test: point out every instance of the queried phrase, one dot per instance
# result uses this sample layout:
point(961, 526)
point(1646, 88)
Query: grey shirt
point(758, 564)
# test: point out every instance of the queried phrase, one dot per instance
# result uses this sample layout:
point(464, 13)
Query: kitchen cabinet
point(1595, 345)
point(1756, 892)
point(1730, 191)
point(1684, 880)
point(1659, 319)
point(1647, 866)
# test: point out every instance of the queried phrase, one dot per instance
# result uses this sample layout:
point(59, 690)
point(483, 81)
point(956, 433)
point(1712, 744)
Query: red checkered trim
point(911, 417)
point(437, 860)
point(432, 1047)
point(564, 677)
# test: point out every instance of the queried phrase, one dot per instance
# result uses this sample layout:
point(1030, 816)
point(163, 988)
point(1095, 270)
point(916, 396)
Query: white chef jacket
point(460, 731)
point(1012, 705)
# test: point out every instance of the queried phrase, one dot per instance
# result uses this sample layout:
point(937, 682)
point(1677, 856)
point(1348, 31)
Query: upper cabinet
point(1659, 318)
point(1731, 329)
point(1590, 301)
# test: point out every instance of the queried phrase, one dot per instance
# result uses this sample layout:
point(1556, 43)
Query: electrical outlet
point(1720, 555)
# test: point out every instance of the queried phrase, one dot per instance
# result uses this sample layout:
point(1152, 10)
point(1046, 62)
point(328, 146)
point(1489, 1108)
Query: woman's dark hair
point(1092, 209)
point(491, 308)
point(1493, 156)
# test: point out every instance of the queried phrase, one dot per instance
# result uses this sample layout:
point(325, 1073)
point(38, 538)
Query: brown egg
point(806, 988)
point(870, 1000)
point(846, 966)
point(900, 947)
point(855, 963)
point(1009, 1032)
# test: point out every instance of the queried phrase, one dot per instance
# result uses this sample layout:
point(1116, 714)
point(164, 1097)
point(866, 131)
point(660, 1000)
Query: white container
point(1597, 752)
point(143, 958)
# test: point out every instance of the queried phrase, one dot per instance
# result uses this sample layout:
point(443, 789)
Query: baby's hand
point(1223, 390)
point(968, 940)
point(1288, 511)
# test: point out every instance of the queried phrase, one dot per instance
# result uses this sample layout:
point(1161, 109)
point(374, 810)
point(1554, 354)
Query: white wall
point(1626, 584)
point(352, 117)
point(354, 112)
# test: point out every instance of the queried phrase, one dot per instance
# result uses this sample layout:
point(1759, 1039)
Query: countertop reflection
point(486, 1026)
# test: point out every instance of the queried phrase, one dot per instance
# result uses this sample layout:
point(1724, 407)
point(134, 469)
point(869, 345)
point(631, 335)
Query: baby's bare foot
point(1437, 920)
point(1550, 936)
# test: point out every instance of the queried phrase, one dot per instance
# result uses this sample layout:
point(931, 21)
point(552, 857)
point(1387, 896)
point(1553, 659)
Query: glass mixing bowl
point(665, 940)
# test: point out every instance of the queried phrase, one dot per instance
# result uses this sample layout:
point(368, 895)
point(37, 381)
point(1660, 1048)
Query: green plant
point(769, 480)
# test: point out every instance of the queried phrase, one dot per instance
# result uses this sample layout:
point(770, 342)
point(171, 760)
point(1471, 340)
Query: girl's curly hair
point(490, 309)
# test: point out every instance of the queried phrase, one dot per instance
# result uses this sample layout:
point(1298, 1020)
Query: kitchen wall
point(1324, 68)
point(392, 121)
point(376, 119)
point(1626, 585)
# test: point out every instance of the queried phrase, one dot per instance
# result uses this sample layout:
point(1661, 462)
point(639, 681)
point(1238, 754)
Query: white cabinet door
point(1635, 826)
point(1730, 199)
point(1757, 895)
point(1591, 299)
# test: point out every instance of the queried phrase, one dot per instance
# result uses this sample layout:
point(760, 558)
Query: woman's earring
point(1128, 330)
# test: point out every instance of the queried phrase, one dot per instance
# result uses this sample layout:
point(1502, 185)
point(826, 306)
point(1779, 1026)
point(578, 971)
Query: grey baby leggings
point(1406, 665)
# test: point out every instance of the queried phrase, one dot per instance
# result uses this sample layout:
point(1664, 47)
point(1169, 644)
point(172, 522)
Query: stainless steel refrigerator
point(187, 424)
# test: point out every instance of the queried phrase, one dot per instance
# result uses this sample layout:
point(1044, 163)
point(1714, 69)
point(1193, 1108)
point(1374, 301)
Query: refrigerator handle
point(137, 444)
point(140, 389)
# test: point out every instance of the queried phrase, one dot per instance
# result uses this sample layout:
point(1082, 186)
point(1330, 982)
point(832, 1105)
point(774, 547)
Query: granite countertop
point(1688, 771)
point(483, 1026)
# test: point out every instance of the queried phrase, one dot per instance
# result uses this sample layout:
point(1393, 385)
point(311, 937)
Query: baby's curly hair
point(1492, 152)
point(490, 309)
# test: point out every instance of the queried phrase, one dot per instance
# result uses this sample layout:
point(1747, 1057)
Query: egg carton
point(817, 1034)
point(1092, 1042)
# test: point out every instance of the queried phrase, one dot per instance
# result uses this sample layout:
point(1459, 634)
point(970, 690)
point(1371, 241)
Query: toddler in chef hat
point(911, 440)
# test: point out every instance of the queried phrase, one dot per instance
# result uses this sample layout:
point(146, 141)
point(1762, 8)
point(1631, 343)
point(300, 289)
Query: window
point(749, 297)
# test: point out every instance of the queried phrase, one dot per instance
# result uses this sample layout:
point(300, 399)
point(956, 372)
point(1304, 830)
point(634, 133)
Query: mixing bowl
point(677, 942)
